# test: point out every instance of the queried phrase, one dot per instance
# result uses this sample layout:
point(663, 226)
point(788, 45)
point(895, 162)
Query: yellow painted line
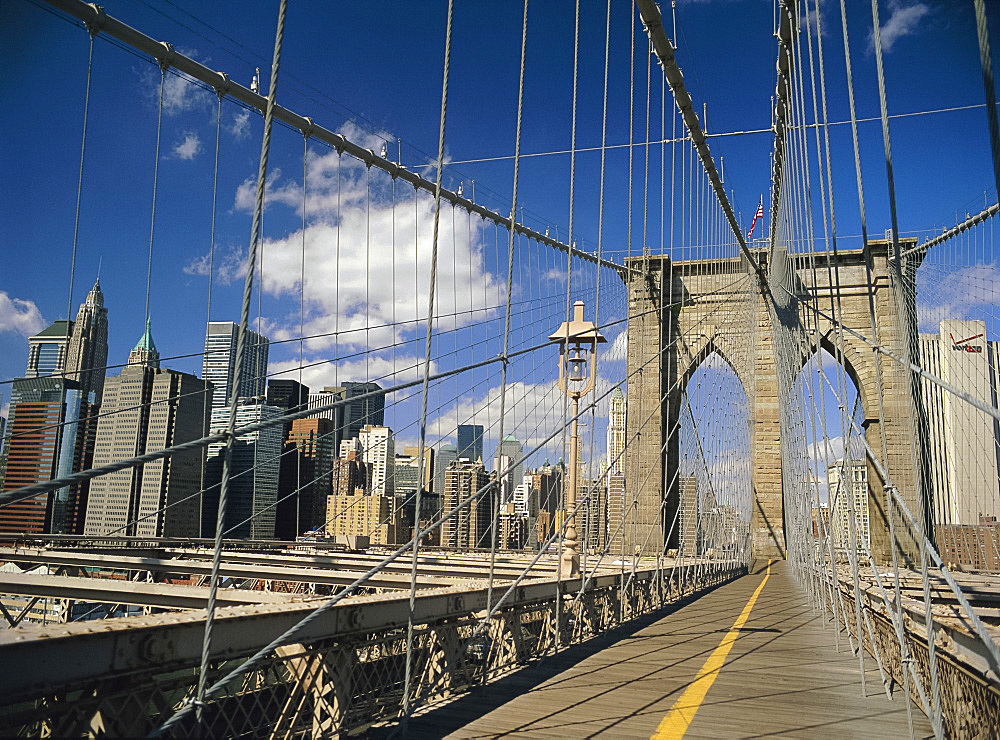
point(681, 714)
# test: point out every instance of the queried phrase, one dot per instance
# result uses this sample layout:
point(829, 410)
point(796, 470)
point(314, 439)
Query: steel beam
point(140, 593)
point(326, 576)
point(967, 224)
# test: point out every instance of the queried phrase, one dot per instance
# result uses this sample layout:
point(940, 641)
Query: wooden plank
point(782, 676)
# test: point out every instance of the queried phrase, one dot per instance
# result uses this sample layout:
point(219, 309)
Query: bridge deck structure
point(668, 675)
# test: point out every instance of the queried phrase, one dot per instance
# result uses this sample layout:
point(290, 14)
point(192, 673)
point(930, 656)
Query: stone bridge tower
point(681, 312)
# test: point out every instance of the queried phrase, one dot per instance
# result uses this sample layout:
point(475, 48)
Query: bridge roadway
point(659, 677)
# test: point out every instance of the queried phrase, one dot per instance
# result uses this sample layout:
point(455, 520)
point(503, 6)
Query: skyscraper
point(472, 523)
point(46, 356)
point(322, 398)
point(287, 395)
point(547, 484)
point(147, 408)
point(304, 482)
point(87, 355)
point(446, 455)
point(369, 518)
point(356, 409)
point(78, 351)
point(47, 350)
point(470, 441)
point(253, 475)
point(615, 478)
point(848, 479)
point(144, 353)
point(50, 434)
point(508, 458)
point(688, 516)
point(962, 439)
point(429, 463)
point(379, 452)
point(219, 363)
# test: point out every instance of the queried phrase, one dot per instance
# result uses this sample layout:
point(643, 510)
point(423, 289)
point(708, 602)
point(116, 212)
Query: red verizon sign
point(962, 345)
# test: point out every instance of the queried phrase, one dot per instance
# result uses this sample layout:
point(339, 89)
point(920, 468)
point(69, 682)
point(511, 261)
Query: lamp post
point(577, 340)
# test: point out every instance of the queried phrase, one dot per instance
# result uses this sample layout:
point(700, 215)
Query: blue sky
point(374, 70)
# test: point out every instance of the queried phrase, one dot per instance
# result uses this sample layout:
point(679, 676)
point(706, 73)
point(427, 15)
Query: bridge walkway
point(782, 677)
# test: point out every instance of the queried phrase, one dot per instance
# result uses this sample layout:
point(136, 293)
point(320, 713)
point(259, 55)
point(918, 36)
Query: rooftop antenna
point(100, 261)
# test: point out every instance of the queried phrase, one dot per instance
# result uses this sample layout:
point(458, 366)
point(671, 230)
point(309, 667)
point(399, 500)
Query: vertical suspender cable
point(302, 312)
point(908, 349)
point(573, 474)
point(567, 532)
point(408, 676)
point(156, 174)
point(986, 61)
point(603, 531)
point(208, 301)
point(265, 148)
point(876, 356)
point(628, 242)
point(79, 182)
point(510, 276)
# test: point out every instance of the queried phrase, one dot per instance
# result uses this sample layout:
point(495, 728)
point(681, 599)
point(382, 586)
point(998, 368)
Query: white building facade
point(848, 481)
point(963, 440)
point(379, 451)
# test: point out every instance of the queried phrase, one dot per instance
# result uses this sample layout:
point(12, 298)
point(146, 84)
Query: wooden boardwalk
point(782, 677)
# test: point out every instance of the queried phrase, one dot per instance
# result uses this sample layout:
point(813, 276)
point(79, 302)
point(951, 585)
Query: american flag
point(758, 214)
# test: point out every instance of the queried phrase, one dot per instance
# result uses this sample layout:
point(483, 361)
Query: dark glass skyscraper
point(470, 441)
point(51, 434)
point(287, 395)
point(77, 353)
point(358, 410)
point(219, 363)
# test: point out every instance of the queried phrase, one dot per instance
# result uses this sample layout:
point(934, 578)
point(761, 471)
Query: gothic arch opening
point(827, 470)
point(713, 469)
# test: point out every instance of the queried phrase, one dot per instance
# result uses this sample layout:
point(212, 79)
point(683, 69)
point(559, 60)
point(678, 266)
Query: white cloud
point(826, 452)
point(180, 91)
point(902, 21)
point(240, 125)
point(382, 369)
point(229, 266)
point(363, 267)
point(532, 412)
point(19, 316)
point(937, 302)
point(188, 147)
point(615, 350)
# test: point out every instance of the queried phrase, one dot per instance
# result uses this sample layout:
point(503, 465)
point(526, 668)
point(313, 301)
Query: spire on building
point(144, 352)
point(87, 354)
point(96, 296)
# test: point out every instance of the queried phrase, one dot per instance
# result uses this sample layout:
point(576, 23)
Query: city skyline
point(318, 335)
point(179, 289)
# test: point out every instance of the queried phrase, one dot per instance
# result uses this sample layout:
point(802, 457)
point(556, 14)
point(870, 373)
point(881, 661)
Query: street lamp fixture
point(577, 340)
